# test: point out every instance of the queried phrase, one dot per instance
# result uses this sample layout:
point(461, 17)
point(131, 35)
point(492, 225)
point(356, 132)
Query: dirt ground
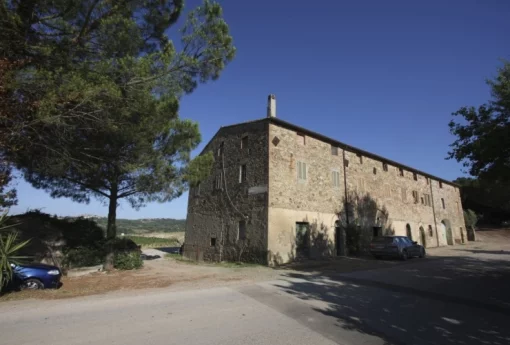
point(170, 273)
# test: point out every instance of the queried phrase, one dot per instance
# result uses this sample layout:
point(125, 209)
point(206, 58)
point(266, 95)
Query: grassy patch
point(225, 264)
point(154, 242)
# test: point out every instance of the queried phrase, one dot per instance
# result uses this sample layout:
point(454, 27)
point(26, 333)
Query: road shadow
point(479, 251)
point(169, 250)
point(459, 300)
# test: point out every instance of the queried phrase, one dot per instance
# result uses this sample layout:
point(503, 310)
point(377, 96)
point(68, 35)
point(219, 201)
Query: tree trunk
point(111, 229)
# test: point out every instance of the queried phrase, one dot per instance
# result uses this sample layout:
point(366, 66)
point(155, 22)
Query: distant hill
point(140, 226)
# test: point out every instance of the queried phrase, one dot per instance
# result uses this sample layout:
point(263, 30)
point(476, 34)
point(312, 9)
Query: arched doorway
point(423, 238)
point(446, 235)
point(442, 234)
point(409, 232)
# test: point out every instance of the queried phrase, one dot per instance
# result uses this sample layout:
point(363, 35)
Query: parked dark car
point(395, 246)
point(35, 276)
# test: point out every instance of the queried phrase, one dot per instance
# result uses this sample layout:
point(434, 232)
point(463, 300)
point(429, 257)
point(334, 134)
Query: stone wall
point(380, 194)
point(314, 200)
point(212, 227)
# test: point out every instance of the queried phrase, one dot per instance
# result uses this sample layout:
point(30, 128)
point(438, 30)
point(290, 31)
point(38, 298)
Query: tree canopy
point(483, 134)
point(91, 91)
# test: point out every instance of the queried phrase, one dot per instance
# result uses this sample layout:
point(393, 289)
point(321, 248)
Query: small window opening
point(375, 171)
point(385, 166)
point(346, 162)
point(431, 232)
point(415, 176)
point(241, 230)
point(213, 241)
point(360, 157)
point(244, 142)
point(242, 173)
point(334, 150)
point(440, 184)
point(442, 202)
point(220, 149)
point(401, 171)
point(415, 197)
point(428, 180)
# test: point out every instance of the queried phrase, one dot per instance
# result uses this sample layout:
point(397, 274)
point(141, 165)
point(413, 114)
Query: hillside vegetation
point(143, 226)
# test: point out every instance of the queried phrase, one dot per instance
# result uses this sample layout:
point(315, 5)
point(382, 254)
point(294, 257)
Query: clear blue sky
point(380, 75)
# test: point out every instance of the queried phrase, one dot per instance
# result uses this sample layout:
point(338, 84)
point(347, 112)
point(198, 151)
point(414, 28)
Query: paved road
point(412, 303)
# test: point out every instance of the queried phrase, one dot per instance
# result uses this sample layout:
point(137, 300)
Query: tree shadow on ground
point(479, 251)
point(446, 300)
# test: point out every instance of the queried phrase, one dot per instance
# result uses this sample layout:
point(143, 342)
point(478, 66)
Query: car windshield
point(382, 240)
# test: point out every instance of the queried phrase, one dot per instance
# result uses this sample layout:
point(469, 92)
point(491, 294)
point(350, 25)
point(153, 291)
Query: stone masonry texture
point(214, 214)
point(295, 177)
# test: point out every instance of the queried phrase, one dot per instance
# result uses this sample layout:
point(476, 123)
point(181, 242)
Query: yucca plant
point(9, 246)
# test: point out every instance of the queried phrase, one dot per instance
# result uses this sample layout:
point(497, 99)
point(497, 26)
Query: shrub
point(352, 239)
point(127, 260)
point(83, 256)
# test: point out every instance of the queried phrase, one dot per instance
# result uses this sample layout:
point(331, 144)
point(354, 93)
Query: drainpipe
point(345, 189)
point(434, 211)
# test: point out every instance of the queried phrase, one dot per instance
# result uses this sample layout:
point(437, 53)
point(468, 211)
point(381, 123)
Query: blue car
point(35, 276)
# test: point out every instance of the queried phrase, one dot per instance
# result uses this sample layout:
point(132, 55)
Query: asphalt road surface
point(443, 300)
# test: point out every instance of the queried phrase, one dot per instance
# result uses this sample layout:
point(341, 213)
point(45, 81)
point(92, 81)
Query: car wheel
point(32, 284)
point(422, 253)
point(404, 255)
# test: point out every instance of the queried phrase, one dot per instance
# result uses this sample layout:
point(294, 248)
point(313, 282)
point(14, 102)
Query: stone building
point(278, 191)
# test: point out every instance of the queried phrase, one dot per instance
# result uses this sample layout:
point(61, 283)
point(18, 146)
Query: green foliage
point(8, 196)
point(483, 134)
point(140, 226)
point(92, 90)
point(154, 242)
point(488, 198)
point(127, 260)
point(9, 246)
point(470, 218)
point(83, 257)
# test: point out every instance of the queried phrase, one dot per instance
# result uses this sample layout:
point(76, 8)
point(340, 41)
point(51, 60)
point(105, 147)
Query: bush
point(83, 256)
point(352, 239)
point(127, 260)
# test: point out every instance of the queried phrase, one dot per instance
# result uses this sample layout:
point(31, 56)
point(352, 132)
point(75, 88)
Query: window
point(422, 201)
point(244, 142)
point(385, 166)
point(404, 194)
point(242, 173)
point(415, 176)
point(375, 171)
point(220, 149)
point(442, 203)
point(213, 241)
point(431, 232)
point(346, 163)
point(218, 181)
point(427, 200)
point(335, 175)
point(401, 171)
point(334, 150)
point(300, 138)
point(301, 170)
point(415, 196)
point(428, 180)
point(440, 184)
point(360, 157)
point(241, 230)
